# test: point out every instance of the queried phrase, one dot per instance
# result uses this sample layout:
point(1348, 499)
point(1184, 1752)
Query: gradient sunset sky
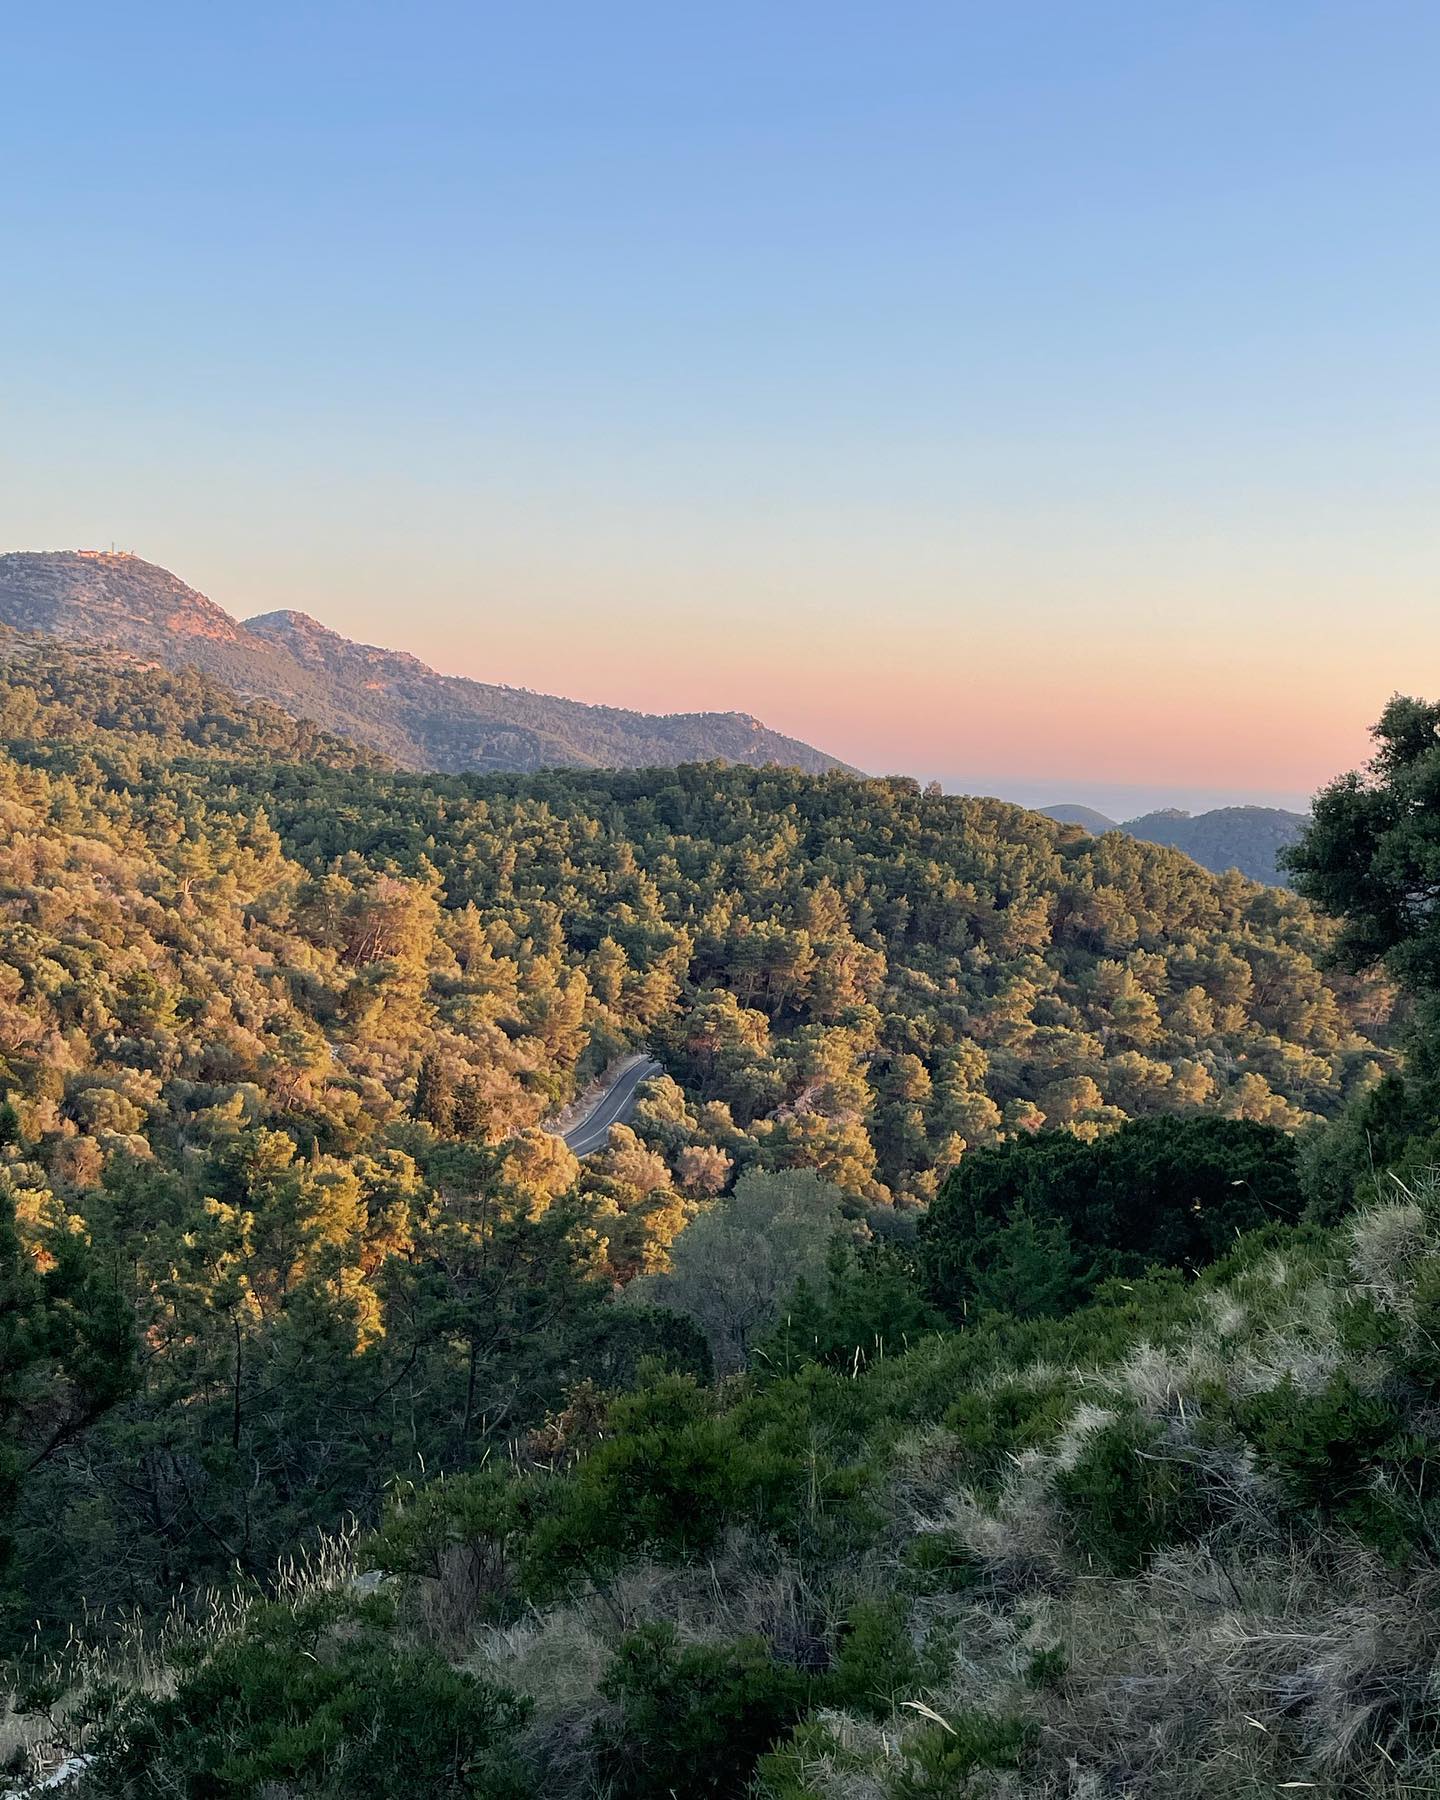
point(1041, 397)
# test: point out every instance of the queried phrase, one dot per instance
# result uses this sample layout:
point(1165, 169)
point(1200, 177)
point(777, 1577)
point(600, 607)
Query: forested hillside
point(386, 699)
point(854, 976)
point(865, 977)
point(72, 695)
point(287, 1257)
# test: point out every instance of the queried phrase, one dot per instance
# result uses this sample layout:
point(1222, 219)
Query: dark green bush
point(463, 1527)
point(869, 1306)
point(1126, 1497)
point(622, 1340)
point(946, 1757)
point(876, 1664)
point(694, 1719)
point(678, 1466)
point(1047, 1667)
point(995, 1423)
point(303, 1702)
point(1026, 1265)
point(1390, 1127)
point(1422, 1352)
point(1349, 1457)
point(1031, 1225)
point(663, 1481)
point(942, 1761)
point(936, 1562)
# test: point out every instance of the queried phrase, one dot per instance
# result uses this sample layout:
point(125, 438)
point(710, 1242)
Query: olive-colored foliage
point(735, 1266)
point(272, 1405)
point(278, 1027)
point(1027, 1227)
point(865, 978)
point(63, 694)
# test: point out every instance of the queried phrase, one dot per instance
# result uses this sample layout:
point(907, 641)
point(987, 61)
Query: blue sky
point(1003, 393)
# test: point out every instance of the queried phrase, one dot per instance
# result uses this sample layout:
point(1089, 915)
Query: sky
point(1037, 397)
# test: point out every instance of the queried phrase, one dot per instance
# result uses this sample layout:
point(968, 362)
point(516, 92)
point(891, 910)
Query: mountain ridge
point(386, 699)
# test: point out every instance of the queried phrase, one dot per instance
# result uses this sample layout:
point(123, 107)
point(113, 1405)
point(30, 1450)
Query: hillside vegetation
point(957, 1382)
point(382, 698)
point(866, 977)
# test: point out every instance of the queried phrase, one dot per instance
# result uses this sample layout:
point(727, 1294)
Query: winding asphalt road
point(613, 1107)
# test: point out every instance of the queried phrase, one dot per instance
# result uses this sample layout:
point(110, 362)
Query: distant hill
point(1248, 838)
point(1085, 816)
point(383, 698)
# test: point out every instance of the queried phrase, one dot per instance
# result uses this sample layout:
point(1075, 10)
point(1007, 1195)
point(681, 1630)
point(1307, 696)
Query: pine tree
point(434, 1093)
point(467, 1118)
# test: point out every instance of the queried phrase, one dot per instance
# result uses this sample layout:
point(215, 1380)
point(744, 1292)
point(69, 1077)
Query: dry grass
point(1312, 1672)
point(1205, 1678)
point(136, 1652)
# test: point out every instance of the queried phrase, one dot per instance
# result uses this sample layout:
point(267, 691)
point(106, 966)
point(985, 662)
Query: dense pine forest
point(997, 1358)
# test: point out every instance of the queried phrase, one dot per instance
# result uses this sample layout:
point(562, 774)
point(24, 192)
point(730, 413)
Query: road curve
point(613, 1107)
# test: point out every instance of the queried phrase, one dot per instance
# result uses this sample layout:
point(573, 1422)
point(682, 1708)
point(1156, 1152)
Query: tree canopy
point(1371, 856)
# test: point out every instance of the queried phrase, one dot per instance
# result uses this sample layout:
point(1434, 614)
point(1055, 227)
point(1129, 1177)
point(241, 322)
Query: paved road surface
point(613, 1107)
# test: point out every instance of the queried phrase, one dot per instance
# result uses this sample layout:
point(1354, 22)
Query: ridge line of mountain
point(388, 700)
